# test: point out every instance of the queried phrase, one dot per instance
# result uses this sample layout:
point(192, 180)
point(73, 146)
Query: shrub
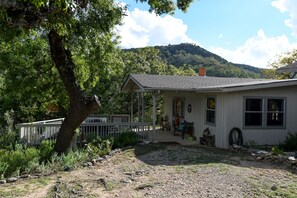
point(18, 160)
point(3, 168)
point(290, 144)
point(125, 139)
point(72, 159)
point(277, 150)
point(46, 149)
point(7, 140)
point(99, 147)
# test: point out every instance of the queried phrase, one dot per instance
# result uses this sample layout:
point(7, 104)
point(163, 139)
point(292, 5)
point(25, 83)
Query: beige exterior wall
point(235, 103)
point(229, 114)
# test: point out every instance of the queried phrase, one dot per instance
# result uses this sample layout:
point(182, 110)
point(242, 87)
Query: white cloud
point(289, 6)
point(141, 28)
point(257, 51)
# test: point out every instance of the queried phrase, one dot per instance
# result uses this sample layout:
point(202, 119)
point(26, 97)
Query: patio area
point(168, 137)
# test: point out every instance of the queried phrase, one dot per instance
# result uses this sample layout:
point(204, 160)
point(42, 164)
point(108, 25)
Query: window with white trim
point(264, 112)
point(211, 110)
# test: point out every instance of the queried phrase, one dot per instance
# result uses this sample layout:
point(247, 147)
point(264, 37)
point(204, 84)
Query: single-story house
point(264, 110)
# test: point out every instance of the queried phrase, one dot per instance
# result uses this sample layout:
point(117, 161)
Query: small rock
point(85, 165)
point(89, 164)
point(99, 159)
point(291, 158)
point(126, 180)
point(93, 161)
point(11, 179)
point(128, 173)
point(25, 176)
point(106, 157)
point(3, 181)
point(67, 168)
point(274, 188)
point(33, 176)
point(259, 158)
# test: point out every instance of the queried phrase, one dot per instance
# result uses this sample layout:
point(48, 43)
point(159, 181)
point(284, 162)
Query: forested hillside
point(192, 56)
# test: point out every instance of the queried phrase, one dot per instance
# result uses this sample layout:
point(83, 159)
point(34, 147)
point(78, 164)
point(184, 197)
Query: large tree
point(282, 60)
point(73, 27)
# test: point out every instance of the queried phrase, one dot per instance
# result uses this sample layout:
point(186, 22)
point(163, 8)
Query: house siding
point(234, 102)
point(230, 114)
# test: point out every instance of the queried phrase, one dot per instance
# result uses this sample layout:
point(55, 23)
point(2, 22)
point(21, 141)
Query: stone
point(99, 159)
point(274, 188)
point(85, 165)
point(3, 181)
point(12, 179)
point(106, 157)
point(291, 158)
point(89, 164)
point(259, 158)
point(126, 180)
point(25, 176)
point(93, 161)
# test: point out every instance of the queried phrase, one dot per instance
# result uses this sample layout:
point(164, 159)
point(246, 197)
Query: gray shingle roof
point(289, 68)
point(191, 83)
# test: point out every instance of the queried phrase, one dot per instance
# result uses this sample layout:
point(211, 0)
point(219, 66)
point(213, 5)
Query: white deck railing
point(34, 133)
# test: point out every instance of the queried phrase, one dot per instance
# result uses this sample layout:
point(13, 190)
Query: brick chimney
point(202, 71)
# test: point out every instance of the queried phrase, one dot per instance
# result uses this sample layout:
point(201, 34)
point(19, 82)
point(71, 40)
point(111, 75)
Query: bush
point(7, 140)
point(277, 150)
point(3, 168)
point(125, 139)
point(290, 144)
point(72, 159)
point(46, 149)
point(18, 160)
point(99, 147)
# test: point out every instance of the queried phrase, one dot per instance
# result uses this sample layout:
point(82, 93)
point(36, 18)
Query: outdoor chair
point(183, 128)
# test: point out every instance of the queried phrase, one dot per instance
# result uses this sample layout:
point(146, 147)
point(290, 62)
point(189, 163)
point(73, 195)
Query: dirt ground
point(160, 170)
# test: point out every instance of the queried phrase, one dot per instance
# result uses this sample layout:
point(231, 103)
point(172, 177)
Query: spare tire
point(235, 137)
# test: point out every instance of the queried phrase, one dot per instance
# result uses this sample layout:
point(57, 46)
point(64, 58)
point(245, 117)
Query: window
point(275, 112)
point(253, 112)
point(264, 112)
point(210, 110)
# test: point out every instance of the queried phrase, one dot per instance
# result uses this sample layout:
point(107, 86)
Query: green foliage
point(7, 140)
point(18, 159)
point(290, 143)
point(125, 139)
point(99, 147)
point(169, 6)
point(3, 168)
point(46, 150)
point(185, 59)
point(277, 150)
point(283, 60)
point(72, 159)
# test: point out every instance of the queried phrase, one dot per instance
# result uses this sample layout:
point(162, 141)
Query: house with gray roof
point(260, 111)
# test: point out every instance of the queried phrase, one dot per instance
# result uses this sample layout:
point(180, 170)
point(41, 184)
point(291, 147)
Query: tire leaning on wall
point(235, 137)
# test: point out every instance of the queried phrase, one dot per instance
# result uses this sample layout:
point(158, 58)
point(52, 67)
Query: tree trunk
point(81, 106)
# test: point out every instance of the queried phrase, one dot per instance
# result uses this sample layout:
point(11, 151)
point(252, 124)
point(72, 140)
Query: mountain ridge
point(194, 56)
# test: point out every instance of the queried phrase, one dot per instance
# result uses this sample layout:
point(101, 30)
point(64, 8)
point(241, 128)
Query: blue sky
point(251, 32)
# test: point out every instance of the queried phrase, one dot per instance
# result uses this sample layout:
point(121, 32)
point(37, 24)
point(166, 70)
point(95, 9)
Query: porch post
point(143, 109)
point(131, 116)
point(154, 117)
point(138, 108)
